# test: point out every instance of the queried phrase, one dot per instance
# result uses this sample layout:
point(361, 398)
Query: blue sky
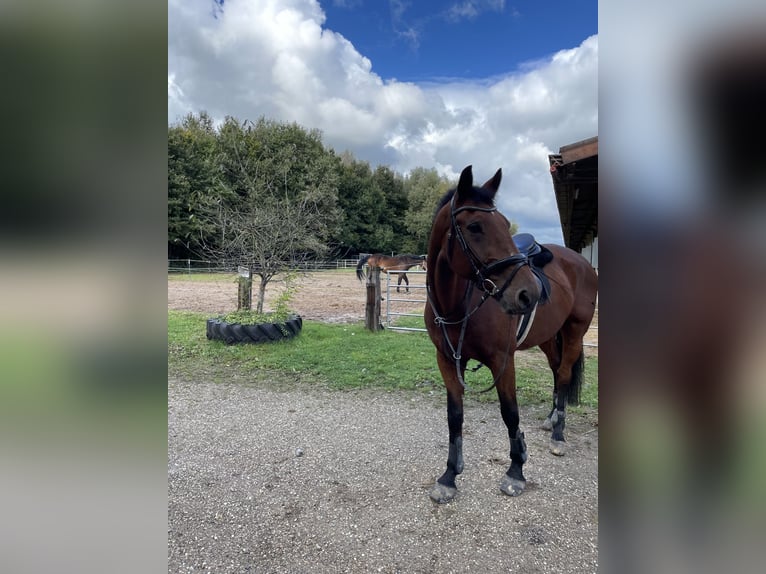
point(422, 41)
point(406, 84)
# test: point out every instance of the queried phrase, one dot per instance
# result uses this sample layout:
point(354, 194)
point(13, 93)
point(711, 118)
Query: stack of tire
point(230, 333)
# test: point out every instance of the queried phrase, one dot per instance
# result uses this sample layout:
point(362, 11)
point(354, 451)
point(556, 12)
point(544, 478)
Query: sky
point(443, 85)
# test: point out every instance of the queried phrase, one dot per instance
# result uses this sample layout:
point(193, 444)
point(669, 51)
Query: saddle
point(539, 256)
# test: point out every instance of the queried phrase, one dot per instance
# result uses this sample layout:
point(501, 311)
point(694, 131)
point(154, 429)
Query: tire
point(230, 333)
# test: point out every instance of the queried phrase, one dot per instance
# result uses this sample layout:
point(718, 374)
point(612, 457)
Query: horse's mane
point(478, 194)
point(443, 201)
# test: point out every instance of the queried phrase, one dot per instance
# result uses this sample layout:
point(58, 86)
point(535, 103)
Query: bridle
point(482, 272)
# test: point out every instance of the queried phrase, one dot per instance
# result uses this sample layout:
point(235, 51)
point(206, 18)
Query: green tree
point(277, 201)
point(424, 188)
point(391, 230)
point(373, 204)
point(191, 184)
point(356, 198)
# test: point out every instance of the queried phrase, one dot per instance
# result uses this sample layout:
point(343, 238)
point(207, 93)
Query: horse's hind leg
point(403, 277)
point(552, 351)
point(569, 378)
point(445, 488)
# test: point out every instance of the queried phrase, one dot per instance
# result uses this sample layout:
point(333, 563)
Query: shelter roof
point(574, 171)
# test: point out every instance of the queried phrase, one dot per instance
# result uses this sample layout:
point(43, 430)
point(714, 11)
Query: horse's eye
point(474, 227)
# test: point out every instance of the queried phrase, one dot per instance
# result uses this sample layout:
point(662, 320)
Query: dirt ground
point(268, 476)
point(328, 296)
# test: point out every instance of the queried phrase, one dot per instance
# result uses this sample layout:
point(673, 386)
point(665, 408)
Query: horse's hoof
point(441, 494)
point(512, 486)
point(547, 424)
point(558, 447)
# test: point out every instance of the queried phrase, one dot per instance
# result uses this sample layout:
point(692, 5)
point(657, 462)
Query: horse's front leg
point(513, 481)
point(445, 488)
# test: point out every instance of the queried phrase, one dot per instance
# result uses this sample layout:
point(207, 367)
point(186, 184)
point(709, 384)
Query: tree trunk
point(261, 294)
point(372, 308)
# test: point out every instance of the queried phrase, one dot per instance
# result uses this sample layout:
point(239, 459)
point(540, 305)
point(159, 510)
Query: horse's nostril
point(524, 299)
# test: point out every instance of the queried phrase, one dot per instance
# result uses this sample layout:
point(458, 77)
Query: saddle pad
point(539, 256)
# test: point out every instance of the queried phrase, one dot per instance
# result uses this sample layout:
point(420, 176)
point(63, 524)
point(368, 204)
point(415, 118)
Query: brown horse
point(485, 301)
point(393, 263)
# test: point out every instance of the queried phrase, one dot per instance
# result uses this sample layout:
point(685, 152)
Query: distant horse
point(486, 300)
point(393, 263)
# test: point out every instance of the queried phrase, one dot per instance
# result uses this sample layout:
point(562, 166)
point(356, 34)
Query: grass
point(347, 356)
point(252, 318)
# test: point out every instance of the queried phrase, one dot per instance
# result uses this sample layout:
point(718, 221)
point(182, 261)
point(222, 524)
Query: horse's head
point(476, 241)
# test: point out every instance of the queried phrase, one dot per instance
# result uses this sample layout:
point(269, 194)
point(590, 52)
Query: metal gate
point(394, 299)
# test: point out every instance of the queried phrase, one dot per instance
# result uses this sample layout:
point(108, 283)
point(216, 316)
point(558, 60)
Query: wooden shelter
point(574, 171)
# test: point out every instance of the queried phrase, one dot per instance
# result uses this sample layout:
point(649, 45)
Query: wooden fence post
point(372, 309)
point(245, 289)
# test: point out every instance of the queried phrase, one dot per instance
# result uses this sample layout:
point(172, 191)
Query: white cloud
point(462, 10)
point(469, 9)
point(274, 58)
point(346, 3)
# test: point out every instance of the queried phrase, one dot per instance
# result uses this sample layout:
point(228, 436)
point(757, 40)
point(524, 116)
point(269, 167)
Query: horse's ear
point(494, 183)
point(465, 185)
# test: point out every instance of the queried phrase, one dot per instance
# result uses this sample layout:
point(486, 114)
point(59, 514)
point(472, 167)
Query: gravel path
point(294, 480)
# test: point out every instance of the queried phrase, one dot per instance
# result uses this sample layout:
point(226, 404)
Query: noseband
point(481, 279)
point(482, 271)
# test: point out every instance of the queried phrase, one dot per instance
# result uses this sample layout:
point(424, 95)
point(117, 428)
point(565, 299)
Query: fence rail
point(392, 298)
point(203, 266)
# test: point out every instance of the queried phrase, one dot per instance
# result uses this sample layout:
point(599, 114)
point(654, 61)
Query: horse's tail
point(360, 266)
point(578, 373)
point(575, 383)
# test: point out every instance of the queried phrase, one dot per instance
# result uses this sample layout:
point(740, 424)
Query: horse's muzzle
point(526, 300)
point(517, 295)
point(518, 303)
point(520, 292)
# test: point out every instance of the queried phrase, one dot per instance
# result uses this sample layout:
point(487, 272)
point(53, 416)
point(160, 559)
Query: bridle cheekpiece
point(482, 271)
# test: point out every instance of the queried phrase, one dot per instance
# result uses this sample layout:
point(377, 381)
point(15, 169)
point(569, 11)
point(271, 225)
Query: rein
point(489, 288)
point(525, 325)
